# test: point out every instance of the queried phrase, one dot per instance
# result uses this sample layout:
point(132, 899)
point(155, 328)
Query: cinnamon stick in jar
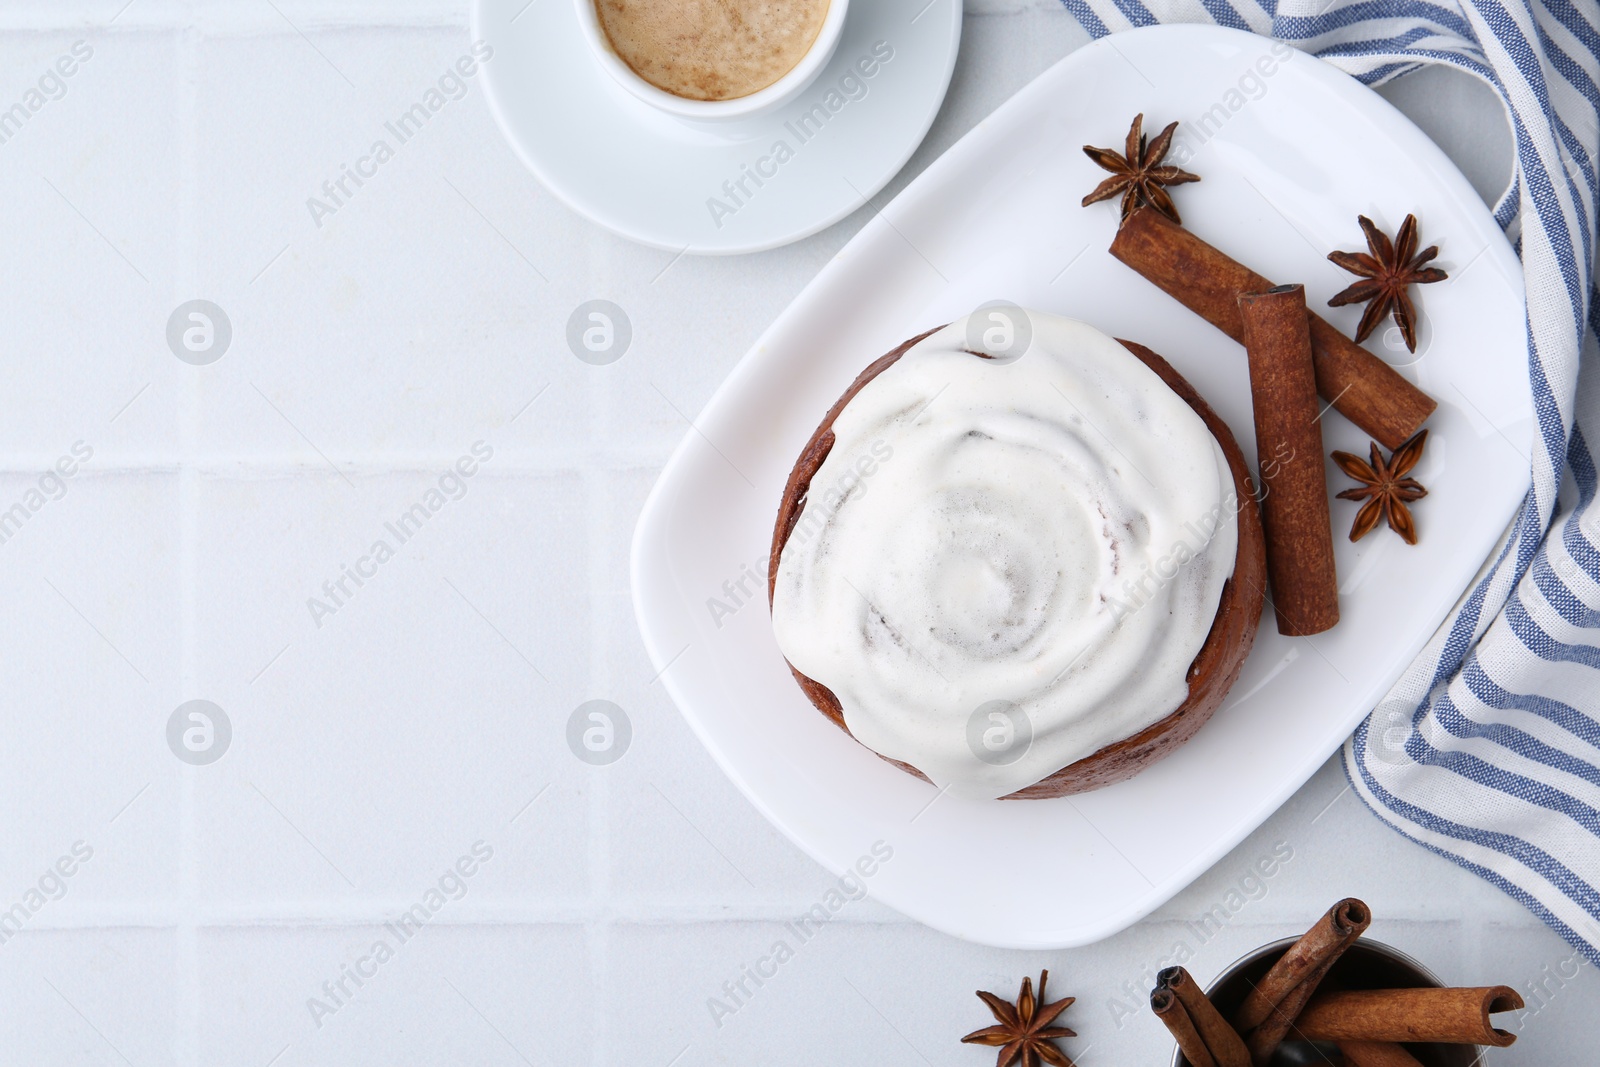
point(1376, 1054)
point(1363, 388)
point(1450, 1016)
point(1294, 505)
point(1170, 1010)
point(1271, 1008)
point(1221, 1040)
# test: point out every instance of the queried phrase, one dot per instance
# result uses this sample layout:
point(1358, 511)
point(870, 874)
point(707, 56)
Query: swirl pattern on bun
point(993, 570)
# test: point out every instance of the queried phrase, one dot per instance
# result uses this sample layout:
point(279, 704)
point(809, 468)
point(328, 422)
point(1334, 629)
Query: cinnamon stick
point(1452, 1016)
point(1222, 1041)
point(1294, 507)
point(1376, 1054)
point(1170, 1010)
point(1364, 388)
point(1272, 1006)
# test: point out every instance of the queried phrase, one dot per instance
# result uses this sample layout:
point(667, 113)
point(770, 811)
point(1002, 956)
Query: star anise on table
point(1387, 274)
point(1024, 1034)
point(1138, 174)
point(1385, 488)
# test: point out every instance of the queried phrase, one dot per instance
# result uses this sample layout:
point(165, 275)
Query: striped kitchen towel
point(1488, 748)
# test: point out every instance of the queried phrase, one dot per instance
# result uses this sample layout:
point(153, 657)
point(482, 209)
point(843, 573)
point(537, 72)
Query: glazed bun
point(1069, 536)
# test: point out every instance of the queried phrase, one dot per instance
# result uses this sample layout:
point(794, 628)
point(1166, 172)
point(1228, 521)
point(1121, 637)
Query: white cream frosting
point(1052, 532)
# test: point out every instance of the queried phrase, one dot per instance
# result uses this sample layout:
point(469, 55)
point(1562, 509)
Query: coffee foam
point(711, 49)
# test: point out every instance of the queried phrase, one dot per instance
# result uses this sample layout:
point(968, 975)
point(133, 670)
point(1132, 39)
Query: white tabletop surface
point(429, 707)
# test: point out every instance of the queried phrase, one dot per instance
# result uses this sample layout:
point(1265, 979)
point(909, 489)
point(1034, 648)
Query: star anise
point(1024, 1034)
point(1137, 174)
point(1385, 488)
point(1386, 276)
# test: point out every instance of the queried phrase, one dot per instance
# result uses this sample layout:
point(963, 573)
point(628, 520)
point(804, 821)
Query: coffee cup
point(802, 67)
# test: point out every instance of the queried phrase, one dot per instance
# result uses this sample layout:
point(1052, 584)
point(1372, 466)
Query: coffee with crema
point(711, 49)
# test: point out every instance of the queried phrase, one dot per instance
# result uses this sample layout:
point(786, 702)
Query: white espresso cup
point(761, 101)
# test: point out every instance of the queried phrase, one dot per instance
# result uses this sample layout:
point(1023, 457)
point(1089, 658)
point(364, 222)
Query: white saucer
point(660, 181)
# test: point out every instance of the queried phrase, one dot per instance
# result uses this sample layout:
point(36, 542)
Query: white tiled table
point(371, 752)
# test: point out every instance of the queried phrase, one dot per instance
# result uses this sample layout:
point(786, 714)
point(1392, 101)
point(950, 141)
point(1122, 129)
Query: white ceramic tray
point(1291, 150)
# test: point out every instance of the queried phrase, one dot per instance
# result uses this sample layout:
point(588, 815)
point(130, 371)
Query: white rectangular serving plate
point(1290, 151)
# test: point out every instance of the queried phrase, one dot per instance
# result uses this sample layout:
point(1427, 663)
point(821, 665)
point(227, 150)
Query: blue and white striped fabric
point(1488, 749)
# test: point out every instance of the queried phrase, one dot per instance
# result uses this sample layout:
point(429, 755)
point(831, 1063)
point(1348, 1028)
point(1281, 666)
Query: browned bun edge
point(1215, 668)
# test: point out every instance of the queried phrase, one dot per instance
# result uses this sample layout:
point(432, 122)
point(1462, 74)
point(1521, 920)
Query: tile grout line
point(229, 21)
point(187, 1013)
point(220, 467)
point(598, 486)
point(252, 915)
point(597, 490)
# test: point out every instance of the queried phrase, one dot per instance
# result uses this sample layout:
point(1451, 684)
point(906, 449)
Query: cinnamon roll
point(1023, 573)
